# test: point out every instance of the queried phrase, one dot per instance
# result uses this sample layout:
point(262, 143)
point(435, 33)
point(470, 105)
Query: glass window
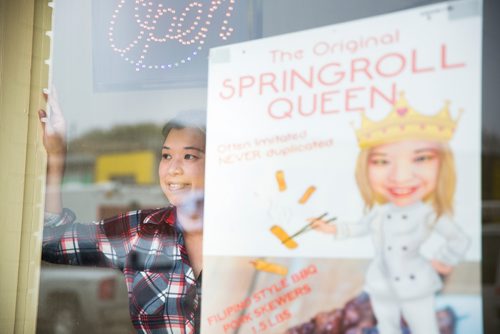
point(121, 70)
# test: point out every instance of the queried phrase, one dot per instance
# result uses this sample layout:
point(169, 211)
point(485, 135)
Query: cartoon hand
point(53, 125)
point(323, 225)
point(441, 267)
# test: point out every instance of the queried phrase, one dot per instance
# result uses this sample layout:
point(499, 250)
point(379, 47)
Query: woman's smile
point(182, 167)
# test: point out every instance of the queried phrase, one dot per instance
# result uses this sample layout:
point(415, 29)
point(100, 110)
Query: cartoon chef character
point(406, 175)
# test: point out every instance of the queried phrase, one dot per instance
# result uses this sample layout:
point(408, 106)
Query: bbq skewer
point(288, 240)
point(308, 226)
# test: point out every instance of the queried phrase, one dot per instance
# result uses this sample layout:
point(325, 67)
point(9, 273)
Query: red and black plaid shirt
point(148, 247)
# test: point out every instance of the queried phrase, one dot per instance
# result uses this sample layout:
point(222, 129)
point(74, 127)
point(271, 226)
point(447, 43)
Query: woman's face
point(404, 172)
point(182, 166)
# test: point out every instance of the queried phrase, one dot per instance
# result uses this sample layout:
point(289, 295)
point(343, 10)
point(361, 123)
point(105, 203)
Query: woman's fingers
point(42, 116)
point(55, 123)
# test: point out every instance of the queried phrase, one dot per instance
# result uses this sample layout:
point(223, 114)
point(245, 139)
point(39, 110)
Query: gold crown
point(404, 122)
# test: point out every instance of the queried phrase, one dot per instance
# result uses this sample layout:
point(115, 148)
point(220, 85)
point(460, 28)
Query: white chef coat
point(398, 269)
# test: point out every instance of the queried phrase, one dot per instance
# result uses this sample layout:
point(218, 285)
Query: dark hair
point(187, 119)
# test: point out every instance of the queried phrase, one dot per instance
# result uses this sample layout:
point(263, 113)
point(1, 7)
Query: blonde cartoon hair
point(441, 198)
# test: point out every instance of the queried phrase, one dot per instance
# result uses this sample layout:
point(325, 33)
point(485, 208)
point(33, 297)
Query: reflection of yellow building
point(131, 167)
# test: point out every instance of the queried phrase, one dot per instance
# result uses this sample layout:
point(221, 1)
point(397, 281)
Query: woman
point(159, 251)
point(406, 175)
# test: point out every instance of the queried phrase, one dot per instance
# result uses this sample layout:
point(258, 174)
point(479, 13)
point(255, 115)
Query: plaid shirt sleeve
point(149, 248)
point(105, 243)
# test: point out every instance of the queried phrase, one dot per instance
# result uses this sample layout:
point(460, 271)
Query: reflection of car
point(491, 278)
point(82, 300)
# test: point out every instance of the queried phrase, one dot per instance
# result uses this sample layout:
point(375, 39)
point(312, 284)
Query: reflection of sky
point(75, 72)
point(73, 77)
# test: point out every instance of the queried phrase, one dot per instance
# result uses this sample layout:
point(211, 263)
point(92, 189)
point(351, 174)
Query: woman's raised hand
point(53, 126)
point(54, 141)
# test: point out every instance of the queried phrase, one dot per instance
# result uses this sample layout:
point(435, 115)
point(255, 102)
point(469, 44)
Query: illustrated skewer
point(287, 240)
point(269, 267)
point(306, 228)
point(307, 194)
point(280, 178)
point(282, 235)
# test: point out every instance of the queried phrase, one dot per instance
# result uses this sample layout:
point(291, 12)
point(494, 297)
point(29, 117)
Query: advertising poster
point(343, 178)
